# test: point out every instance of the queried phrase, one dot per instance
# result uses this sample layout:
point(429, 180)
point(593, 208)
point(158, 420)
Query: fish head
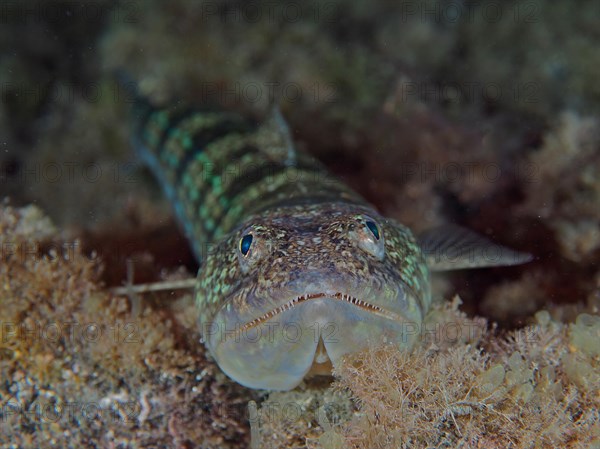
point(293, 290)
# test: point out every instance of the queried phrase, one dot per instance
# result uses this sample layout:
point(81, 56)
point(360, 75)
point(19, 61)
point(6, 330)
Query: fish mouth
point(276, 347)
point(337, 296)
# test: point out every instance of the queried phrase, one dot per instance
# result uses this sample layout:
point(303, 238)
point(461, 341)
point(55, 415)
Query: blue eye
point(245, 243)
point(373, 228)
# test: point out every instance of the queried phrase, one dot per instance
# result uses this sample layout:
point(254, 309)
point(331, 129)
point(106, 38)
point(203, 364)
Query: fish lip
point(337, 296)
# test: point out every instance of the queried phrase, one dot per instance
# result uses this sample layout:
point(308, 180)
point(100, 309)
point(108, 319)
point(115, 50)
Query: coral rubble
point(78, 369)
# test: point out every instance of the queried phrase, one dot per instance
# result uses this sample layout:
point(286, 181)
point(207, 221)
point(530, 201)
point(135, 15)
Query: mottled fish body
point(301, 270)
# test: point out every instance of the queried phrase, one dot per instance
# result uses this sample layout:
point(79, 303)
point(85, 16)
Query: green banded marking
point(225, 167)
point(154, 129)
point(192, 186)
point(250, 198)
point(202, 138)
point(173, 121)
point(251, 170)
point(206, 170)
point(179, 147)
point(266, 173)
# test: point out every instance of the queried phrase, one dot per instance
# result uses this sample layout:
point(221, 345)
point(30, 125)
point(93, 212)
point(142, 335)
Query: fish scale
point(301, 269)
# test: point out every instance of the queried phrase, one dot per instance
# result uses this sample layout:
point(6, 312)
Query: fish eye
point(245, 243)
point(368, 236)
point(373, 228)
point(252, 247)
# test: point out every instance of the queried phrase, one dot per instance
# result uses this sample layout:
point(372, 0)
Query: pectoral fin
point(451, 247)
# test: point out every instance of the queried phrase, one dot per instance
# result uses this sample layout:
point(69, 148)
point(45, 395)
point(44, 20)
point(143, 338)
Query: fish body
point(296, 269)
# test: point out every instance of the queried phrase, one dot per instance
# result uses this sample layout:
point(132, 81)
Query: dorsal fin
point(451, 247)
point(275, 137)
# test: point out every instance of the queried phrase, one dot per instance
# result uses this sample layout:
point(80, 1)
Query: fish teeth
point(298, 299)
